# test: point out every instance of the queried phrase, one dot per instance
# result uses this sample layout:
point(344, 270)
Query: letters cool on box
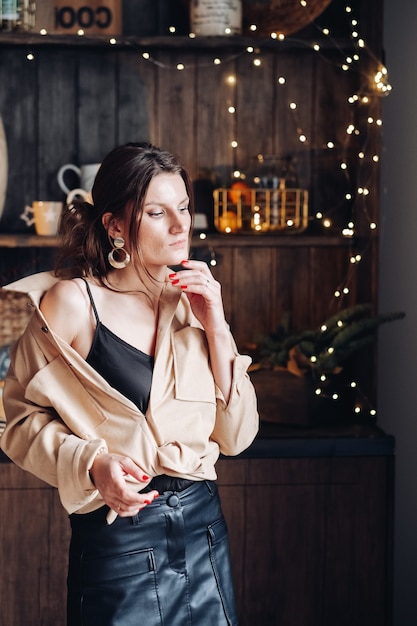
point(94, 17)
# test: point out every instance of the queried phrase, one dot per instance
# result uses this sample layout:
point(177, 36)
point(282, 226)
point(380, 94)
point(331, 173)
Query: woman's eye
point(155, 213)
point(184, 208)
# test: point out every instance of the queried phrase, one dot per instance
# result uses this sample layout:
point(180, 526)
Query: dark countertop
point(278, 441)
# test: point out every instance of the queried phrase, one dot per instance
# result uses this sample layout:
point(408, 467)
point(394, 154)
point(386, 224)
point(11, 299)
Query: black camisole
point(123, 366)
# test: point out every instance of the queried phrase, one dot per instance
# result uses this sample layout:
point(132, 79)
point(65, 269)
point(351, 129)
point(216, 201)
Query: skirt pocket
point(117, 590)
point(220, 562)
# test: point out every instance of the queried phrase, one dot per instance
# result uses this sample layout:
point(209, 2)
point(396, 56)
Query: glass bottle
point(9, 15)
point(17, 15)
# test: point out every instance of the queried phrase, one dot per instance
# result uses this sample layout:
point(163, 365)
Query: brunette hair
point(119, 188)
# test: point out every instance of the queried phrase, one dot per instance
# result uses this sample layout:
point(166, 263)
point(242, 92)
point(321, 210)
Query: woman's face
point(166, 222)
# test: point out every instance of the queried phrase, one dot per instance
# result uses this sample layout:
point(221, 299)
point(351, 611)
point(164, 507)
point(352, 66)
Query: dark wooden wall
point(78, 98)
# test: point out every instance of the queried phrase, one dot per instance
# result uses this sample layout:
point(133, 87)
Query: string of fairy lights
point(363, 127)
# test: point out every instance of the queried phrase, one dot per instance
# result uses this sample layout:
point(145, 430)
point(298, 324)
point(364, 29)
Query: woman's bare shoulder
point(71, 293)
point(65, 308)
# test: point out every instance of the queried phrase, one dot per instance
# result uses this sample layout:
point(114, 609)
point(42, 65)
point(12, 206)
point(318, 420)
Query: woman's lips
point(178, 244)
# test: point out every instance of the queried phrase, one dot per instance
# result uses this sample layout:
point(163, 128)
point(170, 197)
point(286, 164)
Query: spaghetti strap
point(91, 300)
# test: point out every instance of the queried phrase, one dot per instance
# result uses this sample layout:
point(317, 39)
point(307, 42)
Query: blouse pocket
point(193, 376)
point(57, 386)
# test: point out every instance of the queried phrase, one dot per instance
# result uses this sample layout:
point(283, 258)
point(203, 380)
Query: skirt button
point(173, 500)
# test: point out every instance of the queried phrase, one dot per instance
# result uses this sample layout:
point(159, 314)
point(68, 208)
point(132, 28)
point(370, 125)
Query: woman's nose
point(178, 225)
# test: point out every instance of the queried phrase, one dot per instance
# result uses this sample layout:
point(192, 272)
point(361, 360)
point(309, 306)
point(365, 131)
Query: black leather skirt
point(168, 565)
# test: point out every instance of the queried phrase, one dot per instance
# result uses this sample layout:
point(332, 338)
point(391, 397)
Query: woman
point(122, 392)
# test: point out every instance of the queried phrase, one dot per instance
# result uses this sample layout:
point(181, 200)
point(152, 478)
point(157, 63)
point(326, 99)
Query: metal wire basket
point(261, 210)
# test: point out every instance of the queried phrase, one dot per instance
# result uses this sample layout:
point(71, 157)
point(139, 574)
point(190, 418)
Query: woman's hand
point(203, 293)
point(108, 474)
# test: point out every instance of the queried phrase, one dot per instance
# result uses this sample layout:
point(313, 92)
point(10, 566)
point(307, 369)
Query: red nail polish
point(156, 495)
point(144, 477)
point(184, 286)
point(175, 282)
point(147, 501)
point(172, 275)
point(185, 262)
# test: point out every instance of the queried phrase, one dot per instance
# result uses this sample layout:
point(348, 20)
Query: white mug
point(45, 216)
point(86, 174)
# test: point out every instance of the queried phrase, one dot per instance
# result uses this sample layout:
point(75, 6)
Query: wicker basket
point(280, 16)
point(15, 313)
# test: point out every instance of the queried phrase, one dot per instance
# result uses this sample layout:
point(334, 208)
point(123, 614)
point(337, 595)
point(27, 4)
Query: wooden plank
point(97, 130)
point(355, 586)
point(176, 107)
point(329, 269)
point(18, 106)
point(284, 585)
point(56, 120)
point(133, 112)
point(255, 108)
point(289, 293)
point(23, 531)
point(252, 308)
point(333, 114)
point(216, 126)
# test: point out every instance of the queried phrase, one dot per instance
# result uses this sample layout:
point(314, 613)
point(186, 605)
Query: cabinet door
point(310, 540)
point(34, 537)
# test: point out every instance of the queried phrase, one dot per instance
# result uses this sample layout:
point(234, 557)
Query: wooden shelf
point(168, 41)
point(212, 239)
point(27, 241)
